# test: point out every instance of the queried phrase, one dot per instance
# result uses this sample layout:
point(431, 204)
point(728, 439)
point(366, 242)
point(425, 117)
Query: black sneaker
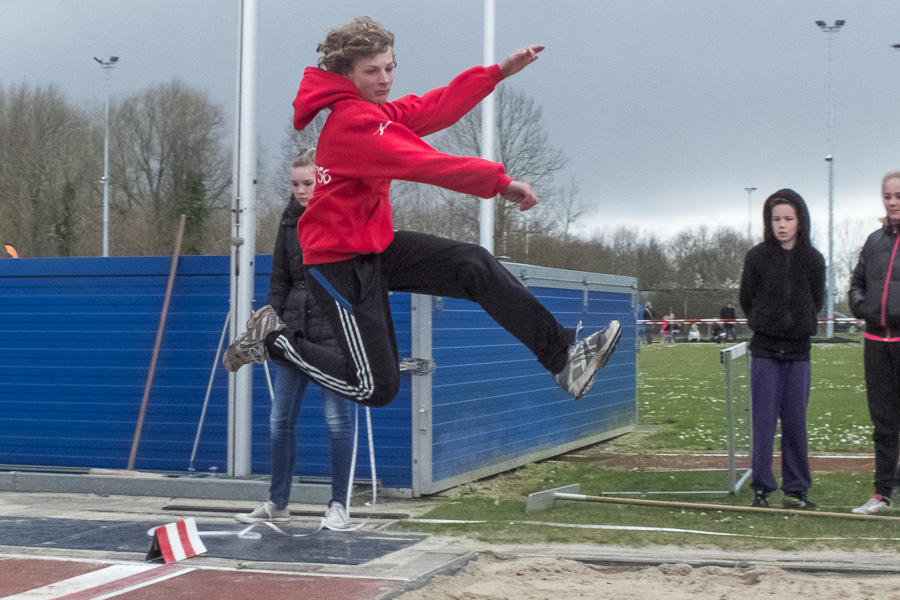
point(760, 499)
point(798, 501)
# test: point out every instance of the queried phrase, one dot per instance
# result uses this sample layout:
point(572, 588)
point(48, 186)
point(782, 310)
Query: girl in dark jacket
point(782, 291)
point(293, 303)
point(875, 297)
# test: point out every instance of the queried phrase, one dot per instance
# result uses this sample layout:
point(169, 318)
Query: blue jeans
point(290, 384)
point(780, 391)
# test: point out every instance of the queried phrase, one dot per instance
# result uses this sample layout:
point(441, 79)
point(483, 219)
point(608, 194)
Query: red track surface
point(21, 575)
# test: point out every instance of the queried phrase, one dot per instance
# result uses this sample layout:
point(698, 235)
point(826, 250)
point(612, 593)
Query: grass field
point(681, 396)
point(681, 387)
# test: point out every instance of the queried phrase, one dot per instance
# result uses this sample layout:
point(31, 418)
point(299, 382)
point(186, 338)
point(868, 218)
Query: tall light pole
point(749, 213)
point(106, 65)
point(830, 30)
point(488, 121)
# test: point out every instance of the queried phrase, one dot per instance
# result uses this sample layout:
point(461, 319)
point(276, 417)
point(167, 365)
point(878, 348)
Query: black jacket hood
point(794, 199)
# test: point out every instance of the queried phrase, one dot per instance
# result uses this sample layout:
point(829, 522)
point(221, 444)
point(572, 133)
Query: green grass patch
point(504, 520)
point(682, 388)
point(681, 392)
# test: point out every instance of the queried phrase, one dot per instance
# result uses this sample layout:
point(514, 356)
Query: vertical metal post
point(829, 293)
point(750, 191)
point(421, 405)
point(729, 419)
point(486, 217)
point(106, 65)
point(243, 252)
point(830, 30)
point(728, 357)
point(106, 174)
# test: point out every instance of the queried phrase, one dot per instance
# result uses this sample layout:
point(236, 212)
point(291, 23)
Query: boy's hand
point(521, 194)
point(519, 59)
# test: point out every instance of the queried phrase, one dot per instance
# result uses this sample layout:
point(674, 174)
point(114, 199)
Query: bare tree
point(849, 237)
point(49, 167)
point(523, 147)
point(701, 259)
point(164, 141)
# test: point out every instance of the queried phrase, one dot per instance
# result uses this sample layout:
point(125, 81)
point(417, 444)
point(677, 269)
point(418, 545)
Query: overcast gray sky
point(667, 109)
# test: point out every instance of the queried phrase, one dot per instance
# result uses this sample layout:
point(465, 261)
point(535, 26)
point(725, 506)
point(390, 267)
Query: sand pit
point(542, 578)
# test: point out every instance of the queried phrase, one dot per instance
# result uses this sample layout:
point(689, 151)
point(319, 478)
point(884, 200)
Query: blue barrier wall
point(76, 342)
point(77, 338)
point(493, 404)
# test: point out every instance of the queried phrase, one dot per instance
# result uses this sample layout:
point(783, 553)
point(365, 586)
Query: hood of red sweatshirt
point(319, 89)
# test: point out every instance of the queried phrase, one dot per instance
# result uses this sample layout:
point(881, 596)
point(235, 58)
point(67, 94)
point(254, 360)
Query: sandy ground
point(537, 572)
point(539, 578)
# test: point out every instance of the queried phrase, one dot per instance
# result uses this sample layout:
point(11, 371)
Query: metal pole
point(106, 175)
point(106, 65)
point(486, 221)
point(750, 191)
point(830, 30)
point(829, 293)
point(243, 242)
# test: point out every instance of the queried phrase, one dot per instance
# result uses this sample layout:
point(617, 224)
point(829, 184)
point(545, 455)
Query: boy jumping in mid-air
point(353, 256)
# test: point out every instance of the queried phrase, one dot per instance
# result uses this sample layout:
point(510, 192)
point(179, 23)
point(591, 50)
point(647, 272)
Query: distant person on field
point(639, 316)
point(694, 333)
point(782, 291)
point(728, 316)
point(668, 329)
point(648, 316)
point(875, 298)
point(718, 333)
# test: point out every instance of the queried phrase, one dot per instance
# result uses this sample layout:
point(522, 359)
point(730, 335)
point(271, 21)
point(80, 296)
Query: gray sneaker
point(265, 513)
point(585, 358)
point(336, 517)
point(875, 504)
point(249, 347)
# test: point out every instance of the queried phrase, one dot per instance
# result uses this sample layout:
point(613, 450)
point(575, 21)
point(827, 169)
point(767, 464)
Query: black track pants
point(354, 296)
point(882, 366)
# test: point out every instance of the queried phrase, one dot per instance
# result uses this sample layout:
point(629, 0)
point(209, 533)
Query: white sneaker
point(586, 357)
point(336, 517)
point(265, 513)
point(876, 504)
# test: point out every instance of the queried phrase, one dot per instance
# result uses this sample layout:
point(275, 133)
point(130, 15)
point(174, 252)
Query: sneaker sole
point(252, 520)
point(600, 359)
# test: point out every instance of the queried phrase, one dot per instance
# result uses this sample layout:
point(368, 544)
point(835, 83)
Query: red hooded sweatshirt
point(363, 146)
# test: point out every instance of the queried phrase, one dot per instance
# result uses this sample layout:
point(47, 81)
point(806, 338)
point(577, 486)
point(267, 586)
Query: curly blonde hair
point(346, 44)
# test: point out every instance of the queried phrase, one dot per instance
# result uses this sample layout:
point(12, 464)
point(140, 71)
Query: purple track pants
point(780, 390)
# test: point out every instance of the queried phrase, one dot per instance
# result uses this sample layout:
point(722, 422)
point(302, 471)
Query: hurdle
point(738, 426)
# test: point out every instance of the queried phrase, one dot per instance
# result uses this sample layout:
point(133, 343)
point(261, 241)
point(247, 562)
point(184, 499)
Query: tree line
point(170, 154)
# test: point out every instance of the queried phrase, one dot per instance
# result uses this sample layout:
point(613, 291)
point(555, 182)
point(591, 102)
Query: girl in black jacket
point(875, 297)
point(782, 291)
point(293, 303)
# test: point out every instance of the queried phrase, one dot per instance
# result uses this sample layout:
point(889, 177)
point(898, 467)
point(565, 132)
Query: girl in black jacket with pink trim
point(875, 297)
